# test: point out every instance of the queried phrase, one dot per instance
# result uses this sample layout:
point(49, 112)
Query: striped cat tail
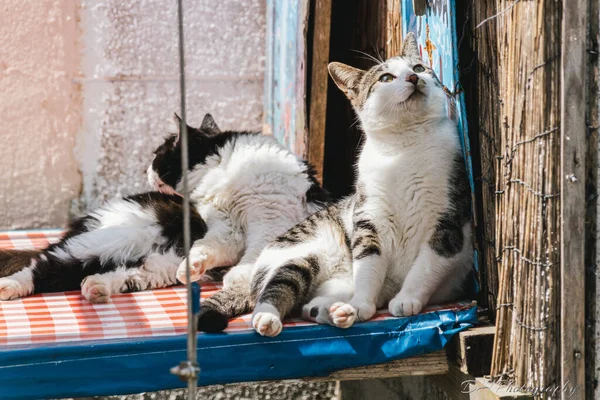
point(227, 303)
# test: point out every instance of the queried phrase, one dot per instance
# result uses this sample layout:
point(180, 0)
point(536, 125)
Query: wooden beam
point(471, 350)
point(572, 197)
point(318, 90)
point(427, 364)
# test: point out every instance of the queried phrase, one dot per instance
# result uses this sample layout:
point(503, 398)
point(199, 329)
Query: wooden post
point(573, 150)
point(318, 90)
point(393, 44)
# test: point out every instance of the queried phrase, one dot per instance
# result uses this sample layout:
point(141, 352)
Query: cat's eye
point(418, 68)
point(386, 78)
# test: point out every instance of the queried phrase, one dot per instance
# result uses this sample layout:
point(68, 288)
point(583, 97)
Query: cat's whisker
point(378, 54)
point(368, 55)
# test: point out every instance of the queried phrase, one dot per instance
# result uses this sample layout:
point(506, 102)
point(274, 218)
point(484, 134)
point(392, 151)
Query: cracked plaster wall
point(131, 84)
point(88, 88)
point(40, 111)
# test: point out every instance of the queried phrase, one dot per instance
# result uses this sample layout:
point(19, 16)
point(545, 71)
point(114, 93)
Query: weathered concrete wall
point(88, 88)
point(131, 86)
point(40, 111)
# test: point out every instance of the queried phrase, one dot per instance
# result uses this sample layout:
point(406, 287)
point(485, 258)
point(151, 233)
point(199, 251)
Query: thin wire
point(191, 373)
point(507, 9)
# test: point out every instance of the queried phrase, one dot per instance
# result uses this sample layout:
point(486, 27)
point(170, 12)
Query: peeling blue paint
point(285, 73)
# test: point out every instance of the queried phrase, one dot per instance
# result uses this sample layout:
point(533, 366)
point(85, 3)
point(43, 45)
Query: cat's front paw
point(12, 289)
point(364, 310)
point(198, 266)
point(342, 315)
point(266, 320)
point(405, 305)
point(95, 290)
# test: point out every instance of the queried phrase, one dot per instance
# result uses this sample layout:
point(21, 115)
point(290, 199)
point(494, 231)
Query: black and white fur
point(404, 238)
point(248, 188)
point(129, 244)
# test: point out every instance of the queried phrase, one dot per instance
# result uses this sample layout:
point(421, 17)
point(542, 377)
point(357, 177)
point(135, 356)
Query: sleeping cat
point(129, 244)
point(245, 190)
point(403, 239)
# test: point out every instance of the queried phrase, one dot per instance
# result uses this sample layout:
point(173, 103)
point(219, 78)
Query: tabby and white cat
point(404, 238)
point(245, 190)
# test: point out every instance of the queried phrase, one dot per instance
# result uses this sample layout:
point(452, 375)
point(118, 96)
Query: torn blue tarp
point(130, 366)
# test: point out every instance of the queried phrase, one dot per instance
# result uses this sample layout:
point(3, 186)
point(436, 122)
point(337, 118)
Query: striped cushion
point(63, 317)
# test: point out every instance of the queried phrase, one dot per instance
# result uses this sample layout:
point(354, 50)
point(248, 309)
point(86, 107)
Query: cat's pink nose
point(412, 78)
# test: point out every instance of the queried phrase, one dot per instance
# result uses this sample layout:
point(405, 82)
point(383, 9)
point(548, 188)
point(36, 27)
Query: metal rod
point(187, 370)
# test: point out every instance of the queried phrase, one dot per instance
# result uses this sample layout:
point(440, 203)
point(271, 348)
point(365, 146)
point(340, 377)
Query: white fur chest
point(406, 188)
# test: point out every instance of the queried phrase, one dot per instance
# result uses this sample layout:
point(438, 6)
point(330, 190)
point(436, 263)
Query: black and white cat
point(246, 189)
point(129, 244)
point(249, 189)
point(404, 238)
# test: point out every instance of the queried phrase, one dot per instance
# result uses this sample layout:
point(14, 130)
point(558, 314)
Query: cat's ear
point(177, 120)
point(347, 78)
point(209, 125)
point(410, 47)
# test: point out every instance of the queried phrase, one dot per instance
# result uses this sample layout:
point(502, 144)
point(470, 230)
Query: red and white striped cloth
point(64, 317)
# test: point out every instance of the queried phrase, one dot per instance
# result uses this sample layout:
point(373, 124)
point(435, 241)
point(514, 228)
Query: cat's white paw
point(266, 320)
point(95, 290)
point(342, 315)
point(198, 265)
point(404, 305)
point(11, 289)
point(364, 310)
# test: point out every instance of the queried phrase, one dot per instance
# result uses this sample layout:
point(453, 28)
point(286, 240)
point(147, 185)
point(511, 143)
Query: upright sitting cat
point(247, 187)
point(404, 238)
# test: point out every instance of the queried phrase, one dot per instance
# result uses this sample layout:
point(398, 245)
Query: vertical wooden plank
point(573, 149)
point(318, 90)
point(592, 279)
point(393, 44)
